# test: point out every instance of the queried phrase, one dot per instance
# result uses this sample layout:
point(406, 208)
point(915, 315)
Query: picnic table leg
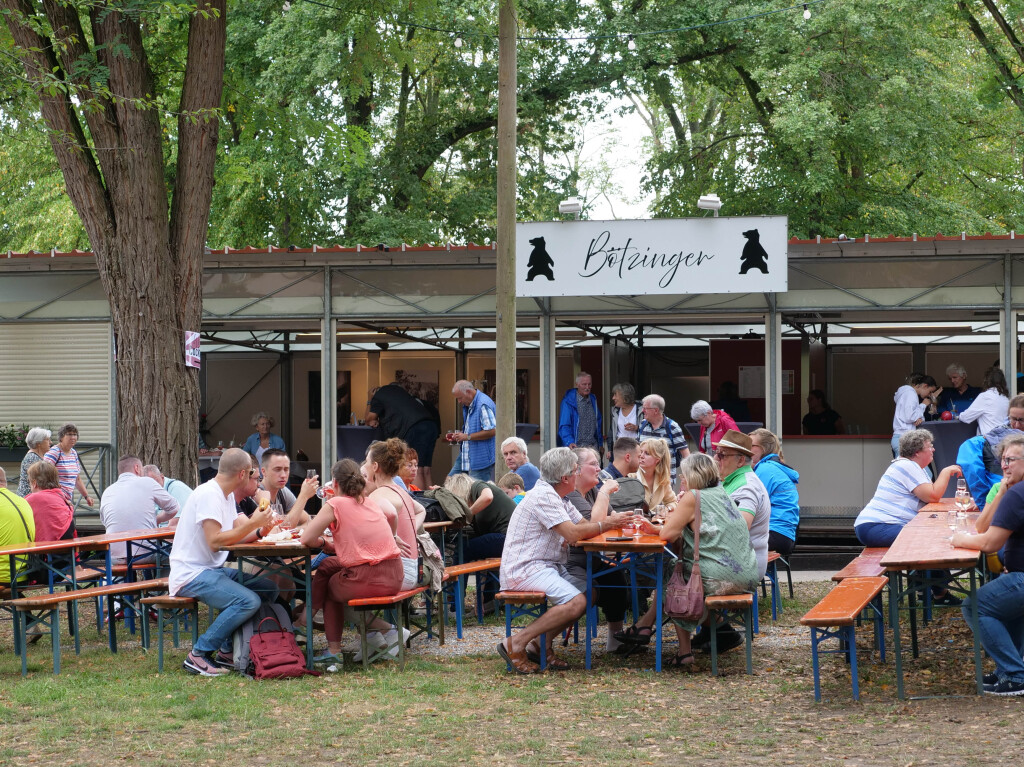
point(894, 621)
point(750, 641)
point(851, 639)
point(659, 560)
point(912, 605)
point(590, 605)
point(459, 596)
point(21, 628)
point(73, 620)
point(814, 664)
point(876, 607)
point(974, 622)
point(111, 624)
point(55, 638)
point(308, 580)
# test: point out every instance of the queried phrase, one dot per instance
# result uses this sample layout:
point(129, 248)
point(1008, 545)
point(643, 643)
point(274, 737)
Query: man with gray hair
point(579, 421)
point(535, 554)
point(476, 440)
point(956, 397)
point(514, 451)
point(657, 425)
point(131, 503)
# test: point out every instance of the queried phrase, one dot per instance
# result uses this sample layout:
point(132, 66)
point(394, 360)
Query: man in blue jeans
point(1000, 624)
point(208, 522)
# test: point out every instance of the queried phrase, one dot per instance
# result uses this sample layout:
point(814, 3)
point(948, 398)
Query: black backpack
point(435, 512)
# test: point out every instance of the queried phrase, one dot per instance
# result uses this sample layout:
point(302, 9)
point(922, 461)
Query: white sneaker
point(391, 638)
point(375, 641)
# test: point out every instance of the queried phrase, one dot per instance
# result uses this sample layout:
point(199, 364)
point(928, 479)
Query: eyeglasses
point(1016, 420)
point(722, 456)
point(1008, 460)
point(253, 471)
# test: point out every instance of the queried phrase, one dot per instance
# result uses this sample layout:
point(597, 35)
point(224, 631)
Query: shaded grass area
point(457, 710)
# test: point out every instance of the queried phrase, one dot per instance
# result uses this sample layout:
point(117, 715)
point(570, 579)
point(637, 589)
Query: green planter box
point(12, 456)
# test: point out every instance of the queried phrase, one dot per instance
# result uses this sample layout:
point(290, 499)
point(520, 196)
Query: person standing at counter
point(911, 400)
point(476, 440)
point(956, 398)
point(401, 415)
point(991, 406)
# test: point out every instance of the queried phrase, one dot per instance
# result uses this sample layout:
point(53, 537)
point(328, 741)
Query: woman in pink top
point(367, 561)
point(383, 462)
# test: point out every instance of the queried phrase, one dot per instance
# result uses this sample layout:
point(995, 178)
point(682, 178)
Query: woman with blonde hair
point(727, 561)
point(780, 481)
point(655, 473)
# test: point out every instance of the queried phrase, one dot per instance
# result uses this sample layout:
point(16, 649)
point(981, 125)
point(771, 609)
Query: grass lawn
point(457, 705)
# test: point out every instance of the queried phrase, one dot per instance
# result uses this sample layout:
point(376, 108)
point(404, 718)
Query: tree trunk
point(149, 260)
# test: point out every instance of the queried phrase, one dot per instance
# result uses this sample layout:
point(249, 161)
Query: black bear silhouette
point(540, 262)
point(754, 255)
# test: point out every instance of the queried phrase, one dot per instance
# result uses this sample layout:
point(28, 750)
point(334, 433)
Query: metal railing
point(102, 474)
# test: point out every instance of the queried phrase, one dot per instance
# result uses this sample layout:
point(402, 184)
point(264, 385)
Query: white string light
point(807, 12)
point(458, 42)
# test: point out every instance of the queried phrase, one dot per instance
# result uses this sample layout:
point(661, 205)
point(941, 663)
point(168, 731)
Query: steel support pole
point(1008, 327)
point(773, 367)
point(548, 407)
point(328, 383)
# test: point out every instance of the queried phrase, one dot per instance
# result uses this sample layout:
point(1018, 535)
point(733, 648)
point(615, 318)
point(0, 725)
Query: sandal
point(681, 661)
point(640, 635)
point(554, 662)
point(517, 660)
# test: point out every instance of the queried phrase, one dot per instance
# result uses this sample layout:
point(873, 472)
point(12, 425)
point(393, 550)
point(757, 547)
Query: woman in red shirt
point(368, 562)
point(713, 425)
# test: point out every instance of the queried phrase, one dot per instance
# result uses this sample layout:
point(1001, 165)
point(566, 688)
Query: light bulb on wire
point(631, 44)
point(807, 12)
point(458, 42)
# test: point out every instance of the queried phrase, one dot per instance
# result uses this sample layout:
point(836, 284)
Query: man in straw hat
point(732, 456)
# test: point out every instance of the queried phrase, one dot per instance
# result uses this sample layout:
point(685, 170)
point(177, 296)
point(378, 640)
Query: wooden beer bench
point(740, 604)
point(452, 585)
point(49, 607)
point(841, 608)
point(376, 605)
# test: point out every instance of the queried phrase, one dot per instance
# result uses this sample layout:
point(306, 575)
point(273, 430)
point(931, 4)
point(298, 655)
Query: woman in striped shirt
point(65, 458)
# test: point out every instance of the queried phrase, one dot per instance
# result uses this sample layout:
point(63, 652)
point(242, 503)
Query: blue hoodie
point(780, 480)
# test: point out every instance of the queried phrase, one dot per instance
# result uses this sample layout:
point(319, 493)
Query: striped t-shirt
point(67, 468)
point(894, 502)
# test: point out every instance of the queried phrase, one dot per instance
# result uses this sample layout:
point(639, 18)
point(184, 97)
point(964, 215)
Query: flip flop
point(517, 660)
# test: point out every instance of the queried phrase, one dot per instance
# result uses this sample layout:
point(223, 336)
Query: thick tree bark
point(149, 259)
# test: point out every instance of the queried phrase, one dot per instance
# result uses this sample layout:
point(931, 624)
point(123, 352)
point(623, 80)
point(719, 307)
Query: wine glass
point(450, 436)
point(604, 476)
point(325, 490)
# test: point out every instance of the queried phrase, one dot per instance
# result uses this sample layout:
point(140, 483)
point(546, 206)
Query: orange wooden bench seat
point(392, 599)
point(376, 605)
point(521, 597)
point(844, 604)
point(744, 605)
point(773, 556)
point(60, 597)
point(453, 589)
point(841, 608)
point(179, 611)
point(468, 568)
point(867, 565)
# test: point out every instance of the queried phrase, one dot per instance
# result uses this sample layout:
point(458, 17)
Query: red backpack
point(276, 654)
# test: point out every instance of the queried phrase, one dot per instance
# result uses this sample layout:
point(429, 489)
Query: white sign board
point(745, 254)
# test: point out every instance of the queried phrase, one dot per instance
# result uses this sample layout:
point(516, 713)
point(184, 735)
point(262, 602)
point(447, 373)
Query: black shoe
point(727, 640)
point(948, 600)
point(1007, 689)
point(990, 680)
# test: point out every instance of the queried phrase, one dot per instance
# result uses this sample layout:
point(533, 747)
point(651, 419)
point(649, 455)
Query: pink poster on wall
point(192, 359)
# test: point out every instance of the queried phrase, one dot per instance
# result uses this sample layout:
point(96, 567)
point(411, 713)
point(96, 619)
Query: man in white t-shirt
point(208, 522)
